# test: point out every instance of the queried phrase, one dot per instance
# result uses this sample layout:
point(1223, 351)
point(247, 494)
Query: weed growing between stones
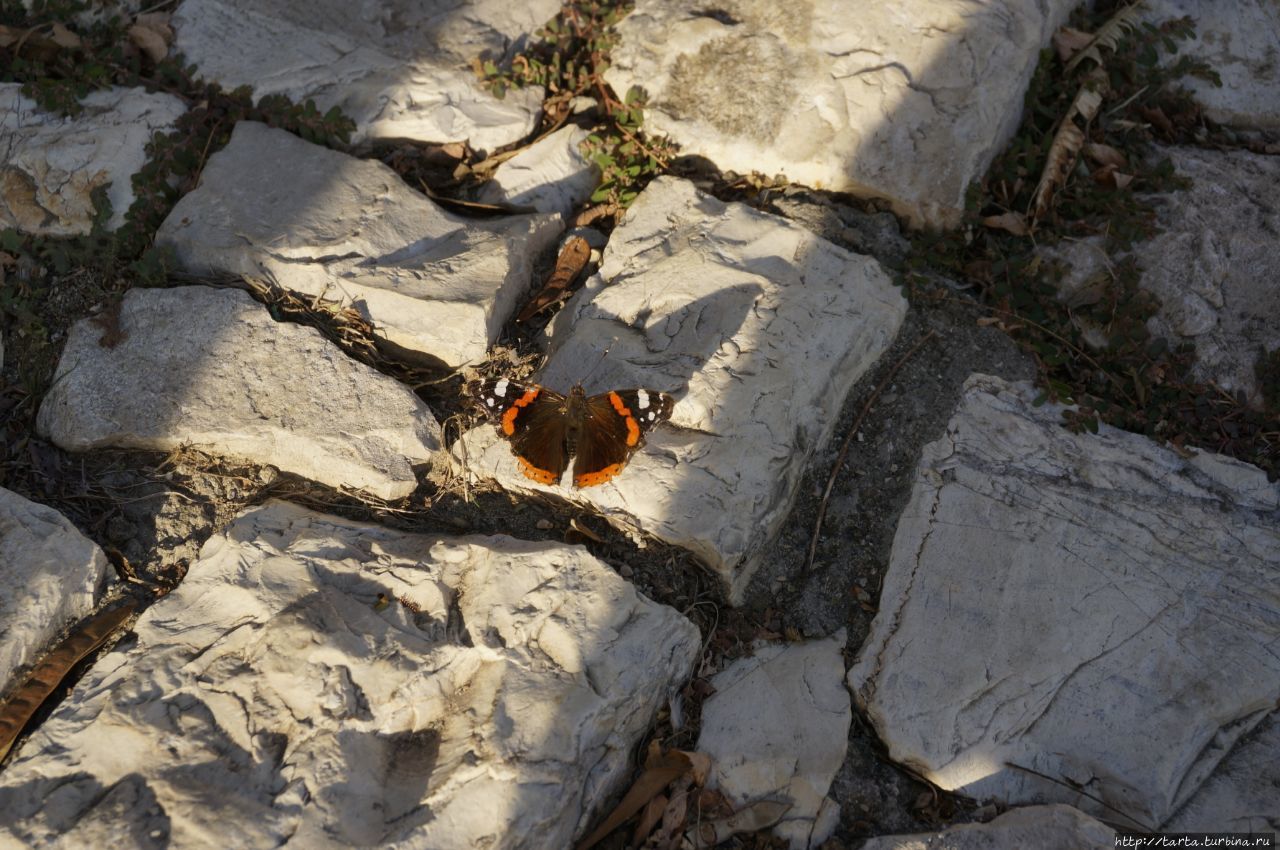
point(1093, 348)
point(568, 58)
point(59, 62)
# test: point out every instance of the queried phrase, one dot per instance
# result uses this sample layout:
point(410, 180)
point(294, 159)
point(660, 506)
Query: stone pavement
point(1076, 630)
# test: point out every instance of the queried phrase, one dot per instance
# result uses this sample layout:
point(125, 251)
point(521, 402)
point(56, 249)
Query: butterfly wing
point(613, 430)
point(532, 419)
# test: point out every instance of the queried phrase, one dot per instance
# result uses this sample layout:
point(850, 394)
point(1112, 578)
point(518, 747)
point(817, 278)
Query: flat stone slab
point(1241, 795)
point(1055, 827)
point(326, 224)
point(53, 164)
point(777, 728)
point(52, 576)
point(209, 367)
point(758, 327)
point(1095, 608)
point(400, 69)
point(1216, 263)
point(839, 101)
point(1240, 39)
point(551, 175)
point(321, 682)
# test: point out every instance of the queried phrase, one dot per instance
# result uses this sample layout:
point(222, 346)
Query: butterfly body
point(546, 429)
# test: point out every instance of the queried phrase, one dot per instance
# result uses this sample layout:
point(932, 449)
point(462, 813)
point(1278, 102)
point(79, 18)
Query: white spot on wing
point(500, 388)
point(644, 399)
point(489, 401)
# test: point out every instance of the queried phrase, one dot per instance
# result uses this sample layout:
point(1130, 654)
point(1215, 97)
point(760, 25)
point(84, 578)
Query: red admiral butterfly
point(545, 428)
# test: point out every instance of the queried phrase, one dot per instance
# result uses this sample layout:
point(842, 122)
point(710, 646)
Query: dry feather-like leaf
point(1104, 154)
point(17, 709)
point(1066, 144)
point(1011, 222)
point(660, 770)
point(1108, 36)
point(1067, 42)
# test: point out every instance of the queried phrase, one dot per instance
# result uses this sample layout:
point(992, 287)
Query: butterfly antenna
point(583, 380)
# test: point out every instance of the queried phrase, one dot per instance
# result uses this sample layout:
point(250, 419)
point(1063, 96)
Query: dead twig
point(844, 449)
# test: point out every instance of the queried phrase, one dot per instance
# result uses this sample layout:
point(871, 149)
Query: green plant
point(1094, 349)
point(568, 58)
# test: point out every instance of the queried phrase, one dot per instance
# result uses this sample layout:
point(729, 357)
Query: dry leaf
point(53, 668)
point(673, 819)
point(582, 529)
point(1104, 154)
point(149, 42)
point(454, 150)
point(1011, 221)
point(660, 770)
point(1108, 36)
point(760, 815)
point(64, 37)
point(1156, 117)
point(1122, 180)
point(158, 21)
point(572, 260)
point(1067, 42)
point(590, 216)
point(1067, 143)
point(649, 818)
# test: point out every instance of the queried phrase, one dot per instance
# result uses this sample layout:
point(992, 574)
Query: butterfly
point(601, 432)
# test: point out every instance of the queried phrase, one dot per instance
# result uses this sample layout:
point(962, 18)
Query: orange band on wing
point(509, 418)
point(542, 476)
point(591, 479)
point(633, 427)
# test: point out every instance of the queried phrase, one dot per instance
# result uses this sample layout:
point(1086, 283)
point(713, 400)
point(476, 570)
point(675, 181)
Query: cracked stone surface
point(322, 683)
point(1240, 39)
point(50, 165)
point(758, 327)
point(551, 175)
point(1092, 607)
point(1215, 265)
point(777, 728)
point(52, 576)
point(1056, 827)
point(400, 69)
point(323, 223)
point(1241, 795)
point(840, 101)
point(209, 367)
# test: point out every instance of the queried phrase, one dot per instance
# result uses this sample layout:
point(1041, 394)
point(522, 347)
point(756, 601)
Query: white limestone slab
point(1056, 827)
point(209, 367)
point(52, 164)
point(327, 224)
point(1215, 264)
point(551, 175)
point(399, 69)
point(758, 327)
point(777, 728)
point(319, 682)
point(1240, 39)
point(1095, 608)
point(52, 576)
point(909, 101)
point(1241, 795)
